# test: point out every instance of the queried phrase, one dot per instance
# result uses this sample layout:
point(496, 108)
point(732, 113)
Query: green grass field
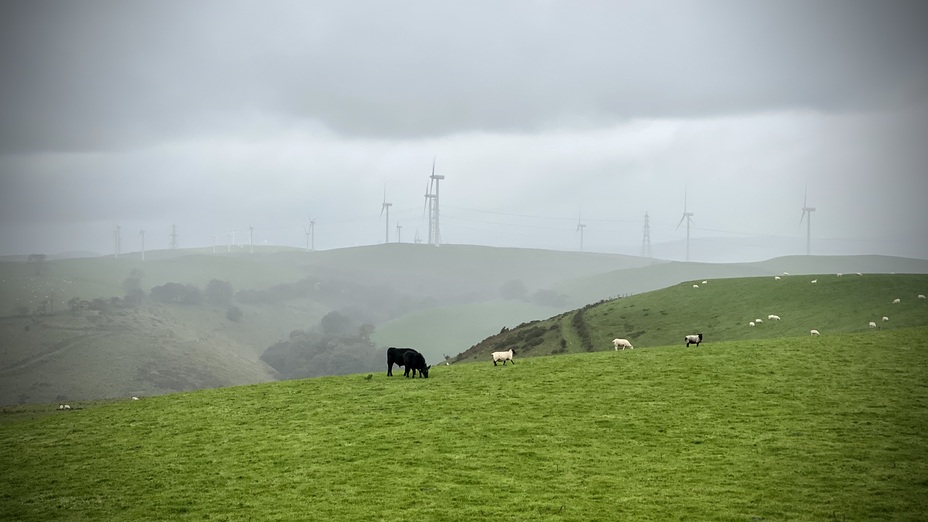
point(795, 428)
point(722, 309)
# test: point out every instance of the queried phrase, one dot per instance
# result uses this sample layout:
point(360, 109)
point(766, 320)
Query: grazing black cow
point(415, 361)
point(410, 359)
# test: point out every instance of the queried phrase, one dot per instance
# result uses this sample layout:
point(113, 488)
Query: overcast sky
point(218, 116)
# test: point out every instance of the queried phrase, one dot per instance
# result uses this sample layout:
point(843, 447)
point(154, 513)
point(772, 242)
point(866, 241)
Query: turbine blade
point(681, 220)
point(381, 209)
point(803, 216)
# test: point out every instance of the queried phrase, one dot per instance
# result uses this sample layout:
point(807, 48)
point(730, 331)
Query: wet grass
point(826, 428)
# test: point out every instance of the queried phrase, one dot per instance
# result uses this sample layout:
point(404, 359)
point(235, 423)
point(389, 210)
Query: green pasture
point(795, 428)
point(722, 309)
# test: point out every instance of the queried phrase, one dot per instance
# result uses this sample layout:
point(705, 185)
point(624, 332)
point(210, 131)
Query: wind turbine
point(117, 240)
point(251, 238)
point(687, 216)
point(386, 207)
point(807, 210)
point(310, 235)
point(142, 235)
point(580, 227)
point(399, 229)
point(431, 200)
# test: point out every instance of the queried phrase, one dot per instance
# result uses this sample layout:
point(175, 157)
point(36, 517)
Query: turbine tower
point(580, 227)
point(687, 216)
point(173, 237)
point(312, 233)
point(399, 228)
point(646, 238)
point(386, 207)
point(251, 238)
point(117, 241)
point(142, 235)
point(807, 210)
point(431, 200)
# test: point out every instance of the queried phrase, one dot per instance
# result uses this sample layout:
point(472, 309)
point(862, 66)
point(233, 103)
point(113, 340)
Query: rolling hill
point(721, 309)
point(440, 300)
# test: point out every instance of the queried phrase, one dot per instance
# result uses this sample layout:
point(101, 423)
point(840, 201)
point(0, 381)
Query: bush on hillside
point(218, 292)
point(513, 289)
point(549, 298)
point(234, 314)
point(177, 293)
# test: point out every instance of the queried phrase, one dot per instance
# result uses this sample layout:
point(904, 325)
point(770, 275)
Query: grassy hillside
point(827, 428)
point(721, 309)
point(592, 288)
point(440, 300)
point(447, 330)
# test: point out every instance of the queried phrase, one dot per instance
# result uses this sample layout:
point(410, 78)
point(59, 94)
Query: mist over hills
point(84, 328)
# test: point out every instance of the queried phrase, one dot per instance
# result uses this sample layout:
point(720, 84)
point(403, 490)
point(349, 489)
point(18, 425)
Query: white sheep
point(751, 323)
point(872, 324)
point(814, 281)
point(135, 398)
point(623, 343)
point(693, 339)
point(695, 286)
point(897, 301)
point(503, 356)
point(773, 317)
point(64, 406)
point(758, 320)
point(776, 278)
point(921, 296)
point(885, 318)
point(814, 332)
point(786, 273)
point(858, 273)
point(704, 282)
point(840, 274)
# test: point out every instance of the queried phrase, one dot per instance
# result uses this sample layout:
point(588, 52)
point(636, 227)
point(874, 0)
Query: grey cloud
point(108, 76)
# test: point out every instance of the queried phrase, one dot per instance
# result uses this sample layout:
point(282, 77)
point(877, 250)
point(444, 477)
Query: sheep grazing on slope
point(704, 282)
point(897, 301)
point(814, 332)
point(751, 323)
point(758, 320)
point(623, 343)
point(64, 406)
point(921, 296)
point(503, 356)
point(872, 324)
point(840, 274)
point(695, 286)
point(858, 273)
point(693, 339)
point(776, 278)
point(885, 318)
point(814, 281)
point(773, 317)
